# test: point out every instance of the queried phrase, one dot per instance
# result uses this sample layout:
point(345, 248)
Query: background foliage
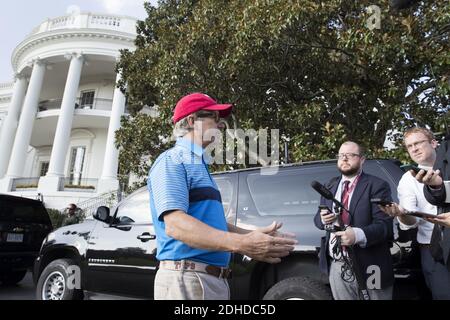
point(312, 69)
point(56, 217)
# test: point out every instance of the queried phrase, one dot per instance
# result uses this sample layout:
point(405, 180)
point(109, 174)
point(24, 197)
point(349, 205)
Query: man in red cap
point(194, 240)
point(198, 101)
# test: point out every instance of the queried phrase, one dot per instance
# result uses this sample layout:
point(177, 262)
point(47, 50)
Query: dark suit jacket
point(441, 249)
point(377, 227)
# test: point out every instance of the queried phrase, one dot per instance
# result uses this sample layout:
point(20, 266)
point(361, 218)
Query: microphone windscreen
point(324, 192)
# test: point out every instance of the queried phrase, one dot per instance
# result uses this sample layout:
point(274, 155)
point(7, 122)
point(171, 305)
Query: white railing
point(97, 104)
point(109, 21)
point(109, 199)
point(61, 22)
point(7, 85)
point(88, 20)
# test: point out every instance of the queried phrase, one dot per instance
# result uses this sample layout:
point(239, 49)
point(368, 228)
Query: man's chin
point(417, 160)
point(349, 172)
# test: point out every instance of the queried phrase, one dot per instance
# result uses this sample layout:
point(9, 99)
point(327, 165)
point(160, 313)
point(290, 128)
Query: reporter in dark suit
point(437, 191)
point(369, 230)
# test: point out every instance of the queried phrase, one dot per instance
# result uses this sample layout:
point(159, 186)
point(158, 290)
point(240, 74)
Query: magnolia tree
point(319, 72)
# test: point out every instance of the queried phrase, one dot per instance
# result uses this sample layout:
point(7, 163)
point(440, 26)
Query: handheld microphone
point(324, 192)
point(320, 188)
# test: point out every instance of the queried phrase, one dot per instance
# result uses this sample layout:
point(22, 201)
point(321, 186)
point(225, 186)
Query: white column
point(25, 128)
point(108, 180)
point(55, 174)
point(10, 124)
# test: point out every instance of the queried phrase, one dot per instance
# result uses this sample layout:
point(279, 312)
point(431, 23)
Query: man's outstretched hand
point(267, 244)
point(273, 228)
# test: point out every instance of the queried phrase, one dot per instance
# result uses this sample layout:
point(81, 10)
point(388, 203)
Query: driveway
point(24, 290)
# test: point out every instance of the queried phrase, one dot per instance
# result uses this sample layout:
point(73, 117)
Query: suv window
point(135, 209)
point(226, 191)
point(288, 192)
point(380, 170)
point(23, 211)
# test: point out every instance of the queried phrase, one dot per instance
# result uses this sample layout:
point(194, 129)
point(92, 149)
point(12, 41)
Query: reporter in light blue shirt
point(194, 240)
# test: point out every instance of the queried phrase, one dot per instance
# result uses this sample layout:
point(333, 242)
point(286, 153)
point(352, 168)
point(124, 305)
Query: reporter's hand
point(327, 217)
point(430, 178)
point(393, 209)
point(442, 219)
point(348, 236)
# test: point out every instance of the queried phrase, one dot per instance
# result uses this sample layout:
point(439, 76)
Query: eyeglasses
point(348, 155)
point(206, 114)
point(415, 144)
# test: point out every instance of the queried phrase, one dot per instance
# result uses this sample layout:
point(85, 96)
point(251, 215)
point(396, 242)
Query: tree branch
point(416, 92)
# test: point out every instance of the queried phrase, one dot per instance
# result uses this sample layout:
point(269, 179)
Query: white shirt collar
point(352, 179)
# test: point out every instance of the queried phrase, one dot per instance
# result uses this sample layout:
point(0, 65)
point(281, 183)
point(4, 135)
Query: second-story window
point(43, 168)
point(87, 99)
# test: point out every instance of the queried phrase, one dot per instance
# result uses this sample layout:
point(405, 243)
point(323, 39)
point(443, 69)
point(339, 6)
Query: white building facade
point(59, 115)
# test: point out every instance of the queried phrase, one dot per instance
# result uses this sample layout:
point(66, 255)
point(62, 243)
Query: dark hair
point(361, 149)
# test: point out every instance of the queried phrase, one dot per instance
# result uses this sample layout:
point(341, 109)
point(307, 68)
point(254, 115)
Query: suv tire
point(52, 283)
point(13, 277)
point(298, 288)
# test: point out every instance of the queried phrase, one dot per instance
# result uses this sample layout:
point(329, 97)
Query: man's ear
point(362, 160)
point(434, 143)
point(191, 121)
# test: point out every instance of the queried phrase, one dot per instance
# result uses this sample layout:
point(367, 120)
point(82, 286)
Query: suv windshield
point(22, 211)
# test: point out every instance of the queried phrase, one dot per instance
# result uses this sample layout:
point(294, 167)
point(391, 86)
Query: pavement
point(24, 290)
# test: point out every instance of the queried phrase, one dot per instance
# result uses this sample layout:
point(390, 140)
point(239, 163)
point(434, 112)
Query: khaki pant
point(189, 285)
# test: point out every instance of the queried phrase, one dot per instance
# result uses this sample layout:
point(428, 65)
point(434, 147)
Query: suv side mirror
point(102, 214)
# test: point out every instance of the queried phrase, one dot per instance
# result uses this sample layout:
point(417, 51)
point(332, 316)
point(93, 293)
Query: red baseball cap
point(198, 101)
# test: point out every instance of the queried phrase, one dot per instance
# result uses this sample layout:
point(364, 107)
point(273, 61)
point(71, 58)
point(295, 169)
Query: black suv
point(24, 223)
point(115, 252)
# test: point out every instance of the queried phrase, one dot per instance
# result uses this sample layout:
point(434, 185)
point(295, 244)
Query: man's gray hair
point(181, 128)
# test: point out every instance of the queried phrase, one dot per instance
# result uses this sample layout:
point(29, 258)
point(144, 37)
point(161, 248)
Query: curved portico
point(65, 82)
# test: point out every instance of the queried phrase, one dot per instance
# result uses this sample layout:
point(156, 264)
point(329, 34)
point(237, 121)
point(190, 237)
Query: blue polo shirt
point(179, 180)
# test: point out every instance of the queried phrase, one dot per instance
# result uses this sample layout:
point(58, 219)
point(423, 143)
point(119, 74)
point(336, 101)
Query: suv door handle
point(146, 237)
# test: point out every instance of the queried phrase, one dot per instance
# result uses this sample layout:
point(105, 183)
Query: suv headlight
point(50, 237)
